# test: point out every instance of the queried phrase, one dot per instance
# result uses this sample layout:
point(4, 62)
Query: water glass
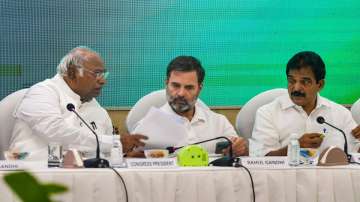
point(256, 149)
point(55, 154)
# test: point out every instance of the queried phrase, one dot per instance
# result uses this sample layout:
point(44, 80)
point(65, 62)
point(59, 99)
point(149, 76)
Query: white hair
point(74, 57)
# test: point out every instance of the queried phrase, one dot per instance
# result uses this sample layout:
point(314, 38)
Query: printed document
point(162, 129)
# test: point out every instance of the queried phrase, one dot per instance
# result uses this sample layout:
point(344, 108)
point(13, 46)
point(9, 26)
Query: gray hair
point(74, 57)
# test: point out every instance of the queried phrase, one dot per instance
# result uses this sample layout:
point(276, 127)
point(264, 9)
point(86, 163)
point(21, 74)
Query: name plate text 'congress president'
point(151, 163)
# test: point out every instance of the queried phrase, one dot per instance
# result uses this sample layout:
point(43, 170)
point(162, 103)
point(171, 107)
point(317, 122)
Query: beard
point(180, 104)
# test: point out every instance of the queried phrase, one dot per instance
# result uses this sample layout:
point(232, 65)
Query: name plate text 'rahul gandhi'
point(265, 162)
point(151, 163)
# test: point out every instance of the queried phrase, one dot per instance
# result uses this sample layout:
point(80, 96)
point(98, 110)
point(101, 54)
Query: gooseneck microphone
point(321, 120)
point(94, 162)
point(224, 161)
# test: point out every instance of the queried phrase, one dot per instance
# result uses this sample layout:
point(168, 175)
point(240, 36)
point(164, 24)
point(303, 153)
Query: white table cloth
point(334, 184)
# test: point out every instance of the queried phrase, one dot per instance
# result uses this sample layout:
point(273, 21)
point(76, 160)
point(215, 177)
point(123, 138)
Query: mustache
point(179, 99)
point(298, 94)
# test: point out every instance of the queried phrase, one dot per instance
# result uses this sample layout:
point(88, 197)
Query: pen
point(93, 125)
point(323, 134)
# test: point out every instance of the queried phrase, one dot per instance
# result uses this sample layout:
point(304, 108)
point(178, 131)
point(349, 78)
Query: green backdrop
point(243, 45)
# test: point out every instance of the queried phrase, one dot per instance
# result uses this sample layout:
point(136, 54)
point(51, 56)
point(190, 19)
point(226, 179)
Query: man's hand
point(356, 132)
point(311, 140)
point(239, 147)
point(129, 142)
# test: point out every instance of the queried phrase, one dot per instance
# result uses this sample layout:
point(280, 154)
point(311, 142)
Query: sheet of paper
point(162, 129)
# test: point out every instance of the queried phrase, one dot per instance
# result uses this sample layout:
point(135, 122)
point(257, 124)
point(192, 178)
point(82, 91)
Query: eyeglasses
point(98, 74)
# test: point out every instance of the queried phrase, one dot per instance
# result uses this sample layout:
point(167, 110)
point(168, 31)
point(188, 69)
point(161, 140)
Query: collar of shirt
point(199, 115)
point(64, 88)
point(286, 103)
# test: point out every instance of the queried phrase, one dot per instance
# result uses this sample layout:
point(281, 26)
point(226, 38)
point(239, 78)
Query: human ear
point(321, 84)
point(71, 72)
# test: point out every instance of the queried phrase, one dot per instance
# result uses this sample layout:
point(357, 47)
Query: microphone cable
point(123, 182)
point(353, 162)
point(238, 165)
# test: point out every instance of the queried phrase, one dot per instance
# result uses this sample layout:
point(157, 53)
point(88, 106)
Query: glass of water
point(256, 149)
point(55, 154)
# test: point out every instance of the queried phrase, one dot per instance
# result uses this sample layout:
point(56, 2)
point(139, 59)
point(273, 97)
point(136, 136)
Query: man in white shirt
point(297, 112)
point(184, 82)
point(42, 116)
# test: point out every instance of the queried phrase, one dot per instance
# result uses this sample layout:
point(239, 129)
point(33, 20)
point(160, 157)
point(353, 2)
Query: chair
point(142, 106)
point(246, 117)
point(355, 111)
point(7, 120)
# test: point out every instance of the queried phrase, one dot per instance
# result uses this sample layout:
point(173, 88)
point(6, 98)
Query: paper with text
point(162, 129)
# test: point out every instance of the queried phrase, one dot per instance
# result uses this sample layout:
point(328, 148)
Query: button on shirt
point(42, 117)
point(277, 120)
point(204, 125)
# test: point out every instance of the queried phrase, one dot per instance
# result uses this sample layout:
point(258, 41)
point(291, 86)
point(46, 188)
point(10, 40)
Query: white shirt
point(204, 125)
point(42, 117)
point(275, 122)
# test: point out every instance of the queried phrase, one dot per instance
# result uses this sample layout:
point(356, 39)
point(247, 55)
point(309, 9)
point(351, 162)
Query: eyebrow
point(176, 83)
point(97, 69)
point(304, 78)
point(188, 86)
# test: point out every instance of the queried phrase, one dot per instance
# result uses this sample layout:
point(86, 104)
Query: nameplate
point(264, 162)
point(22, 165)
point(151, 163)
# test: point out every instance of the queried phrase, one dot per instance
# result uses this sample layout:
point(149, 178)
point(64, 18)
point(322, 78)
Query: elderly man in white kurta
point(42, 116)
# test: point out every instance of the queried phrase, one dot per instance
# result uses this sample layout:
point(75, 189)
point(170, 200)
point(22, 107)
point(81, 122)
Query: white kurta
point(275, 122)
point(205, 124)
point(42, 117)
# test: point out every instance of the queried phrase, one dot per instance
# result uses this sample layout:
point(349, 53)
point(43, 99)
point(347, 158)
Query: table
point(210, 184)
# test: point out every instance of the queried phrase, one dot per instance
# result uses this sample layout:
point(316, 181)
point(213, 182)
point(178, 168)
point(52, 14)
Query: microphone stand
point(93, 162)
point(321, 120)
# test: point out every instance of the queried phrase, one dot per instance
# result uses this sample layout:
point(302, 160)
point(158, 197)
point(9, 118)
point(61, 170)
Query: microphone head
point(320, 119)
point(70, 107)
point(171, 149)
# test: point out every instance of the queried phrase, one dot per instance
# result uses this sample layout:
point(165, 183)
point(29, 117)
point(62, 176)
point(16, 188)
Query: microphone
point(321, 120)
point(173, 149)
point(224, 161)
point(94, 162)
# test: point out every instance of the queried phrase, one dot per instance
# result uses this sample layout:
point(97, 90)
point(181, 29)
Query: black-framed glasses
point(98, 74)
